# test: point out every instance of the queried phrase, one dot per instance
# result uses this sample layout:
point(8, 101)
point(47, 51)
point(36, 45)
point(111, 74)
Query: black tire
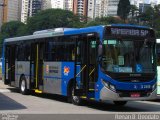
point(76, 100)
point(23, 86)
point(120, 103)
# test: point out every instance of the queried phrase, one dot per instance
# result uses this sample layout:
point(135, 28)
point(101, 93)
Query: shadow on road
point(109, 106)
point(129, 107)
point(7, 103)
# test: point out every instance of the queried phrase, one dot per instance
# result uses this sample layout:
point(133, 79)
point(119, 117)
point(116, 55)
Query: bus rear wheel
point(23, 86)
point(120, 103)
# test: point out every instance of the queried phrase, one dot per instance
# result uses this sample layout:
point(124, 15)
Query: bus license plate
point(135, 95)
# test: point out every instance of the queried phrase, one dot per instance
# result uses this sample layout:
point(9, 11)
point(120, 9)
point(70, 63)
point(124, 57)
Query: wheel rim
point(75, 98)
point(23, 85)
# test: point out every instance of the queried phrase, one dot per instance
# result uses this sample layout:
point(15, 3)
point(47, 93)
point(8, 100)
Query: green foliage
point(147, 15)
point(11, 29)
point(151, 18)
point(104, 21)
point(123, 9)
point(52, 18)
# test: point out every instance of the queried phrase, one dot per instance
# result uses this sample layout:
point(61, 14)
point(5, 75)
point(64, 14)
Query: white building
point(58, 4)
point(30, 8)
point(61, 4)
point(101, 8)
point(106, 8)
point(154, 2)
point(91, 9)
point(68, 5)
point(46, 4)
point(112, 8)
point(137, 2)
point(24, 10)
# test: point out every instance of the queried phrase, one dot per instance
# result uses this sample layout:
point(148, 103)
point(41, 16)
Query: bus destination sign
point(120, 31)
point(130, 32)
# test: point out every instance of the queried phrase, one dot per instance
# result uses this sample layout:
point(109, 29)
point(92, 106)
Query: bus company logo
point(66, 70)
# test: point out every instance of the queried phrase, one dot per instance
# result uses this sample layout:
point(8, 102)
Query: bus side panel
point(67, 74)
point(52, 77)
point(22, 68)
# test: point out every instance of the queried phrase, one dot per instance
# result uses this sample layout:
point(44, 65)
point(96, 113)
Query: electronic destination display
point(123, 31)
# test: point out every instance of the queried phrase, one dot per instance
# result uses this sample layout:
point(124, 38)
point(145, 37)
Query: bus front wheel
point(23, 86)
point(120, 103)
point(76, 100)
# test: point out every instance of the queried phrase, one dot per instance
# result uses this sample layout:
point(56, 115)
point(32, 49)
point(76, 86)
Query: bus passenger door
point(86, 68)
point(10, 65)
point(36, 65)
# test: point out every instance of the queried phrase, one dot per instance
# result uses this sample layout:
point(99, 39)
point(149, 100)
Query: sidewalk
point(3, 87)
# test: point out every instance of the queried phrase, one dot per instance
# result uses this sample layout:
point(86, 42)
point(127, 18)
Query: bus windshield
point(128, 56)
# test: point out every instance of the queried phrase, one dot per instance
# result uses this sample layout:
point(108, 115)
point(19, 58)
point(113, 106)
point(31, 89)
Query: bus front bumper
point(106, 94)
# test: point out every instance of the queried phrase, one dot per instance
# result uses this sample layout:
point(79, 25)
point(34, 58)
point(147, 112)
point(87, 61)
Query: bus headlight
point(108, 85)
point(154, 87)
point(112, 87)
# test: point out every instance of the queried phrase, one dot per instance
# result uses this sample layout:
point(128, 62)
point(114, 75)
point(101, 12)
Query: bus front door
point(36, 66)
point(86, 66)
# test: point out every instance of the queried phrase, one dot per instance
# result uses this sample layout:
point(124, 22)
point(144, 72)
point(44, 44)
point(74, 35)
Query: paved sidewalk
point(3, 87)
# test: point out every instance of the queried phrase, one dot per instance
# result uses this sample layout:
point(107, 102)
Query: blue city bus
point(114, 62)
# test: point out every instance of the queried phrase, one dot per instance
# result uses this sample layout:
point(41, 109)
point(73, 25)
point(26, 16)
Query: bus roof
point(68, 31)
point(131, 25)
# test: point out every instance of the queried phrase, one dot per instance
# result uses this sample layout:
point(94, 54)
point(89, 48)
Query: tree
point(133, 13)
point(123, 9)
point(52, 18)
point(104, 21)
point(133, 10)
point(11, 29)
point(146, 17)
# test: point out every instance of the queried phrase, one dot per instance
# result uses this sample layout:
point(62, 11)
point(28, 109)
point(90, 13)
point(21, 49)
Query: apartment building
point(106, 8)
point(46, 4)
point(91, 8)
point(24, 10)
point(58, 4)
point(34, 7)
point(68, 5)
point(9, 10)
point(30, 8)
point(80, 7)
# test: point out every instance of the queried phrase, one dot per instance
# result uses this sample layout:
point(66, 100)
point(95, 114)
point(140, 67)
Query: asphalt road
point(12, 102)
point(53, 104)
